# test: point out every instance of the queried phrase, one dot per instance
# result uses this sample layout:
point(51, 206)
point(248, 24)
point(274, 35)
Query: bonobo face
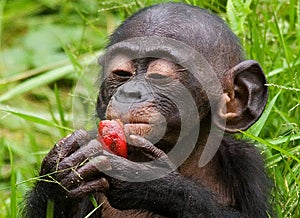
point(158, 92)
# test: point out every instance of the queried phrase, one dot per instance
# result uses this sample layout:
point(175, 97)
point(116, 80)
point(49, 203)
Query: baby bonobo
point(151, 62)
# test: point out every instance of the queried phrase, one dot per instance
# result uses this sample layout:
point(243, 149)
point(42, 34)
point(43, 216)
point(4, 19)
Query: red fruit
point(111, 134)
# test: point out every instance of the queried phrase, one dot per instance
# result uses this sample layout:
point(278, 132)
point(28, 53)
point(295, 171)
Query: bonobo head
point(167, 60)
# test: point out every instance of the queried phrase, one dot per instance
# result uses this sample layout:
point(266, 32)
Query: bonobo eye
point(161, 69)
point(156, 76)
point(122, 73)
point(121, 67)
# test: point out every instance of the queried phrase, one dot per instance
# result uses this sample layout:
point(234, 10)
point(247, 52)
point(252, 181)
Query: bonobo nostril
point(131, 92)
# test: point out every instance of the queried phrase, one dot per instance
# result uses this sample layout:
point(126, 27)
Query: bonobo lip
point(150, 127)
point(142, 122)
point(136, 121)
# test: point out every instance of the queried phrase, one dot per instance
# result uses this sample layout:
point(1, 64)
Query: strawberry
point(112, 135)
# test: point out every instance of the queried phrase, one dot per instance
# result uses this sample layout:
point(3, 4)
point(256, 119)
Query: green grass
point(46, 44)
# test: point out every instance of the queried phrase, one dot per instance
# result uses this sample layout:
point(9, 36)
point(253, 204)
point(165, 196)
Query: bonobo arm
point(38, 197)
point(171, 196)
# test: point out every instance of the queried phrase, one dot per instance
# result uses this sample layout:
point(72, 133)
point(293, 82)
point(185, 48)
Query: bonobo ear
point(244, 98)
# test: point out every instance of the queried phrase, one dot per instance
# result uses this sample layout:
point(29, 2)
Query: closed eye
point(156, 76)
point(122, 73)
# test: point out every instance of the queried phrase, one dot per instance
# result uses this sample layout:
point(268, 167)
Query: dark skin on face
point(139, 92)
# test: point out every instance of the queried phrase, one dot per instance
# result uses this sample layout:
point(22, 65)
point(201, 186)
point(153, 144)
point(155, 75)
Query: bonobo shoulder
point(242, 165)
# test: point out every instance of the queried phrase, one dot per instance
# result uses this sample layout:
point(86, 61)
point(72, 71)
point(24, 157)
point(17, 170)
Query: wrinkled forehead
point(155, 47)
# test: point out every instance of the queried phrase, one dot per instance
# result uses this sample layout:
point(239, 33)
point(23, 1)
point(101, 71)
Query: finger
point(71, 143)
point(62, 149)
point(95, 166)
point(89, 187)
point(146, 146)
point(150, 150)
point(92, 149)
point(88, 171)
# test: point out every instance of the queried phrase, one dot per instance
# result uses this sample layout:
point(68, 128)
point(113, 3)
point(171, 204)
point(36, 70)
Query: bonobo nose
point(134, 95)
point(131, 92)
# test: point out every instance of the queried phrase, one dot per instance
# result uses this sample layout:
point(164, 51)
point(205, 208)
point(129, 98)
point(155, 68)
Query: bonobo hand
point(131, 181)
point(79, 166)
point(129, 171)
point(75, 165)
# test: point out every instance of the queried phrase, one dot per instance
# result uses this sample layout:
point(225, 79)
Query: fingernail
point(133, 136)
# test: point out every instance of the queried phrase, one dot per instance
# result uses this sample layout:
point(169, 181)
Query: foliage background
point(43, 47)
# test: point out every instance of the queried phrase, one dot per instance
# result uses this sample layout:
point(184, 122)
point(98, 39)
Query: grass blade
point(37, 81)
point(270, 145)
point(13, 188)
point(59, 107)
point(50, 209)
point(257, 127)
point(32, 118)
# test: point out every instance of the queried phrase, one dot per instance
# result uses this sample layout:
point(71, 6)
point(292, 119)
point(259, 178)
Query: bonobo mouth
point(151, 128)
point(135, 120)
point(136, 125)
